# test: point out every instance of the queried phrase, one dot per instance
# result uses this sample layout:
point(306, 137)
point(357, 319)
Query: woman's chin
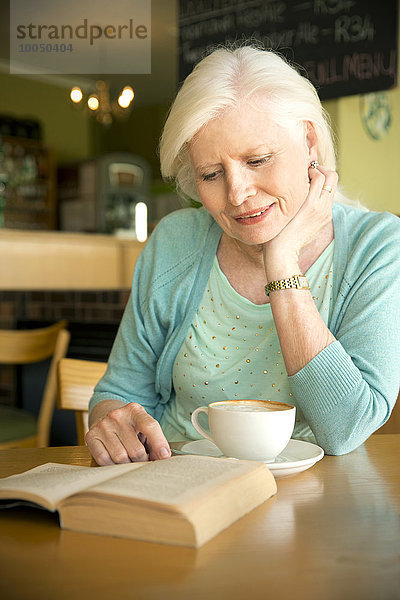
point(256, 238)
point(252, 235)
point(253, 245)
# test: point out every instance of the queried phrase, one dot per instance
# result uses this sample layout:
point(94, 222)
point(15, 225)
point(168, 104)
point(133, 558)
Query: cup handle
point(196, 423)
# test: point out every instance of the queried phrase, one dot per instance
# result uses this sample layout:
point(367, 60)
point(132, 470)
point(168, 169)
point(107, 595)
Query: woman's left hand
point(309, 223)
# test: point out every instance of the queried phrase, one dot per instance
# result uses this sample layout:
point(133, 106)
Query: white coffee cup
point(248, 429)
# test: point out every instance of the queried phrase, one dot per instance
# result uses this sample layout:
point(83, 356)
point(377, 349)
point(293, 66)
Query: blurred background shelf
point(27, 184)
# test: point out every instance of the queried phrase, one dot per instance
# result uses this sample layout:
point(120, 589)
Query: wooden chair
point(76, 380)
point(18, 428)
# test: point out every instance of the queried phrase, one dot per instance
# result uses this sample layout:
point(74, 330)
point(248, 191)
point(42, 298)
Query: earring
point(314, 164)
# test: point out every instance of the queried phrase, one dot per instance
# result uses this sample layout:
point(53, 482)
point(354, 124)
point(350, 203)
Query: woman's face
point(251, 174)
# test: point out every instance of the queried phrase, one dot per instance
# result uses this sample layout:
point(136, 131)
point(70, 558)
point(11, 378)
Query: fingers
point(121, 438)
point(323, 182)
point(99, 451)
point(330, 183)
point(127, 434)
point(113, 440)
point(150, 431)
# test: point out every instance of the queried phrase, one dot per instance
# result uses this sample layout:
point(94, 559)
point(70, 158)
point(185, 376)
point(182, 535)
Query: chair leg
point(81, 427)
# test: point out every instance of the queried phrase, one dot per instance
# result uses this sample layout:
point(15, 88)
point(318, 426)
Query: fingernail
point(164, 453)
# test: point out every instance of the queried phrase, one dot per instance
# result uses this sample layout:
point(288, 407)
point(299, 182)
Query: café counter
point(50, 260)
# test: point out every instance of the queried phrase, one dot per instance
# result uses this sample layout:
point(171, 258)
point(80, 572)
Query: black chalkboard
point(344, 47)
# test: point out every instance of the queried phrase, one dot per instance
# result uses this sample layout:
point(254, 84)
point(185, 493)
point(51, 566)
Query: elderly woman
point(276, 288)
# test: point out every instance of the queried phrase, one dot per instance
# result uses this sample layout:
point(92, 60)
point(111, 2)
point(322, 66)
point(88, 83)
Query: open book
point(183, 500)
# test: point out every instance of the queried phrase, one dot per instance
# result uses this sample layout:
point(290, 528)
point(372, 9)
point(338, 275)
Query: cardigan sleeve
point(166, 288)
point(349, 389)
point(131, 369)
point(133, 362)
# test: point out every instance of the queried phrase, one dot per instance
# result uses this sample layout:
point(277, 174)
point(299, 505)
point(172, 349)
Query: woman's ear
point(311, 141)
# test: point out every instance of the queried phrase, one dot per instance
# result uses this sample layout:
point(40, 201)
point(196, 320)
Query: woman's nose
point(239, 188)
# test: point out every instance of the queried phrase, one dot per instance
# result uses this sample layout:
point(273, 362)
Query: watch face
point(303, 281)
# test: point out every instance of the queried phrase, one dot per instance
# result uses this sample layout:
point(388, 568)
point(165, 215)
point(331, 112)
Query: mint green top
point(346, 392)
point(232, 351)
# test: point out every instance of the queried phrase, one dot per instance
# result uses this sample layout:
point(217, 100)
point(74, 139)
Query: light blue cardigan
point(346, 392)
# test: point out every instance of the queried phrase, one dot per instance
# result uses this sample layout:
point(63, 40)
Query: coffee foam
point(244, 408)
point(251, 405)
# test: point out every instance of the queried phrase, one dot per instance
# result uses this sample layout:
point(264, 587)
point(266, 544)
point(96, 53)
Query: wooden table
point(332, 532)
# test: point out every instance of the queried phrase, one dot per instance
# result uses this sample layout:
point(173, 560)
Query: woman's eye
point(209, 176)
point(255, 162)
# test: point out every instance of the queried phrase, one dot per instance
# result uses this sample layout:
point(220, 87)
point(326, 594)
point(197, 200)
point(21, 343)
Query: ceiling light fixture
point(100, 105)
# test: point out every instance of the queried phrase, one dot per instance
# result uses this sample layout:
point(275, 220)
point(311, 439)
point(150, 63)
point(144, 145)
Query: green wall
point(139, 134)
point(65, 130)
point(368, 167)
point(73, 134)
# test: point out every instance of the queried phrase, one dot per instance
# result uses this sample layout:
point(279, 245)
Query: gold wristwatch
point(299, 282)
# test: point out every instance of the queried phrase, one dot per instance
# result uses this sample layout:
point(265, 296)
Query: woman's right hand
point(311, 223)
point(122, 433)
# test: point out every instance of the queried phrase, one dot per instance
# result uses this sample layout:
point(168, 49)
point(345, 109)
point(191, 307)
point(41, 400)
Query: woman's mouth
point(251, 218)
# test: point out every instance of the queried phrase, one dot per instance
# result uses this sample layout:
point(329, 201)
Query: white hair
point(219, 82)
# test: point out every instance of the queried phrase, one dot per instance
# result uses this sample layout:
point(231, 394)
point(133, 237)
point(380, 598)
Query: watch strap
point(299, 282)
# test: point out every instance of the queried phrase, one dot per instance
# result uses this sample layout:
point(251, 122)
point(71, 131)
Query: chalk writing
point(345, 46)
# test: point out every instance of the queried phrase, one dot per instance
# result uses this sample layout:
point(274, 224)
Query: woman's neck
point(243, 265)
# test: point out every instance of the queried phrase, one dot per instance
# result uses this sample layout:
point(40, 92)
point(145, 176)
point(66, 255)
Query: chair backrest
point(18, 347)
point(76, 381)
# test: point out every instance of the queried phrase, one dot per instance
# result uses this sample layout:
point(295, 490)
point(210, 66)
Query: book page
point(54, 481)
point(175, 480)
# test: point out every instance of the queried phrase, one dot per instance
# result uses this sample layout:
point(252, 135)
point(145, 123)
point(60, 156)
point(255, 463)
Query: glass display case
point(108, 194)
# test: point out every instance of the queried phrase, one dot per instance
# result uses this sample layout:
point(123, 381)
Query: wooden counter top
point(52, 260)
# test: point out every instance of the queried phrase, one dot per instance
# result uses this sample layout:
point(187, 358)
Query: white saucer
point(296, 457)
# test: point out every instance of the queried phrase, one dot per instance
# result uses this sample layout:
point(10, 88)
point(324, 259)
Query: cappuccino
point(243, 408)
point(248, 429)
point(251, 405)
